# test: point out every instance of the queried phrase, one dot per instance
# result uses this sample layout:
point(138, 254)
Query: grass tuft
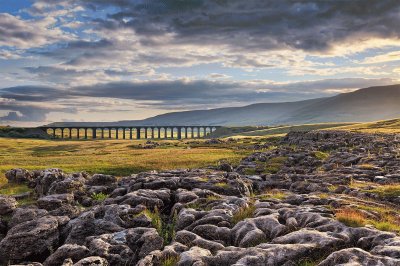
point(99, 196)
point(273, 194)
point(14, 189)
point(170, 261)
point(222, 184)
point(321, 155)
point(165, 229)
point(243, 213)
point(352, 218)
point(392, 190)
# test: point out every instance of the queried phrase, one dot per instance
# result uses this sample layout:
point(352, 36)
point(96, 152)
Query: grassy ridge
point(286, 129)
point(117, 157)
point(384, 126)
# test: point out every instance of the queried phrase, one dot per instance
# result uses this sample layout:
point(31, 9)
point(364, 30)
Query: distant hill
point(364, 105)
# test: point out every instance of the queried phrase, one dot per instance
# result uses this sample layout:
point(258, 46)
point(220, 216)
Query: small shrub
point(367, 166)
point(273, 165)
point(170, 261)
point(221, 184)
point(273, 194)
point(198, 206)
point(213, 197)
point(155, 218)
point(323, 195)
point(279, 160)
point(307, 262)
point(321, 155)
point(332, 188)
point(164, 229)
point(99, 196)
point(250, 171)
point(14, 189)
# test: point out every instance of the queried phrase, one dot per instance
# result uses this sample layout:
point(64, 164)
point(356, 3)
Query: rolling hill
point(364, 105)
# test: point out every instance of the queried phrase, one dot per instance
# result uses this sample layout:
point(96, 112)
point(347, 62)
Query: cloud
point(253, 24)
point(169, 92)
point(28, 112)
point(16, 32)
point(382, 58)
point(218, 76)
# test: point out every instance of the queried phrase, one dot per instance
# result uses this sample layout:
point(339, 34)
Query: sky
point(110, 60)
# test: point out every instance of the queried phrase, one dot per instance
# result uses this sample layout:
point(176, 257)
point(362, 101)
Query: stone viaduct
point(135, 132)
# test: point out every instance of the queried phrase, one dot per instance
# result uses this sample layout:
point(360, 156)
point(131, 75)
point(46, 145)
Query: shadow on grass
point(45, 150)
point(119, 170)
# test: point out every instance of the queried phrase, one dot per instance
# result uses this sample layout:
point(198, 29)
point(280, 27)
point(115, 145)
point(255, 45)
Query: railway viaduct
point(135, 132)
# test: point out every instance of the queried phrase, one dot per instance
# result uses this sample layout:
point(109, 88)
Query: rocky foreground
point(276, 208)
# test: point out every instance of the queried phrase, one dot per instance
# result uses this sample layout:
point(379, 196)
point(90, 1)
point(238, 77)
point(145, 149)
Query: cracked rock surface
point(277, 207)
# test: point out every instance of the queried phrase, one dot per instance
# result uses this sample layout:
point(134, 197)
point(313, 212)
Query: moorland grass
point(243, 213)
point(391, 190)
point(351, 217)
point(116, 157)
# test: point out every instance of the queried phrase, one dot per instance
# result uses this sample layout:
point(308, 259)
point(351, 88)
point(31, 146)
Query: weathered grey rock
point(19, 176)
point(324, 241)
point(358, 257)
point(52, 202)
point(191, 239)
point(194, 257)
point(226, 167)
point(102, 180)
point(7, 204)
point(387, 250)
point(88, 224)
point(112, 247)
point(21, 215)
point(253, 231)
point(67, 251)
point(37, 238)
point(68, 186)
point(143, 240)
point(215, 233)
point(45, 179)
point(92, 261)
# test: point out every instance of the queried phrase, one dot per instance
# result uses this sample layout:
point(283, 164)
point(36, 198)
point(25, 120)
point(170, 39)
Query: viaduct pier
point(135, 132)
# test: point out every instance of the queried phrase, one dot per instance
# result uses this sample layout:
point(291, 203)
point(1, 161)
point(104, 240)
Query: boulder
point(35, 239)
point(357, 257)
point(19, 176)
point(45, 179)
point(21, 215)
point(112, 247)
point(92, 261)
point(7, 204)
point(143, 240)
point(52, 202)
point(67, 251)
point(194, 257)
point(101, 180)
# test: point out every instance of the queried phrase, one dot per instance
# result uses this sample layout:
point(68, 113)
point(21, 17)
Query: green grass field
point(117, 157)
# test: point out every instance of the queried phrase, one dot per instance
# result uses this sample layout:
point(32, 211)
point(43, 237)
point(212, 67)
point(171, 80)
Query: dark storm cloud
point(76, 49)
point(31, 93)
point(254, 24)
point(21, 102)
point(18, 111)
point(190, 92)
